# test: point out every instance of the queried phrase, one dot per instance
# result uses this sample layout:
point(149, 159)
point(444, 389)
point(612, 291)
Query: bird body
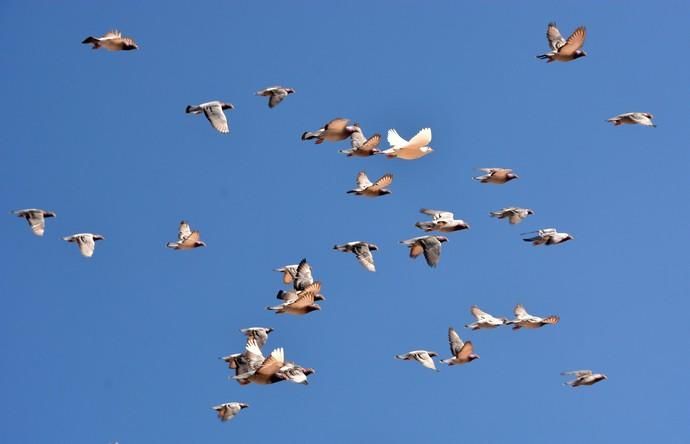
point(228, 410)
point(334, 131)
point(112, 41)
point(496, 176)
point(584, 377)
point(548, 236)
point(303, 304)
point(366, 188)
point(644, 119)
point(36, 218)
point(214, 112)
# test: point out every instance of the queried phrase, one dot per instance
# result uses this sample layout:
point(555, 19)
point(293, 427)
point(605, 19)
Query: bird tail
point(171, 245)
point(426, 226)
point(192, 109)
point(308, 135)
point(277, 308)
point(92, 41)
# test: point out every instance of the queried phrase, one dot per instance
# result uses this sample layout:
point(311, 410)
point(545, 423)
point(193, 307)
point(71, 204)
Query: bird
point(228, 410)
point(563, 50)
point(314, 288)
point(548, 236)
point(85, 241)
point(363, 252)
point(484, 319)
point(289, 272)
point(443, 221)
point(644, 119)
point(259, 334)
point(36, 218)
point(411, 149)
point(273, 369)
point(303, 304)
point(584, 377)
point(214, 113)
point(424, 357)
point(186, 238)
point(295, 373)
point(463, 352)
point(368, 189)
point(360, 146)
point(496, 175)
point(275, 94)
point(526, 320)
point(515, 215)
point(429, 245)
point(334, 131)
point(112, 41)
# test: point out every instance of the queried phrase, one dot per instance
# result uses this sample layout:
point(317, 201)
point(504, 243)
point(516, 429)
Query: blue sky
point(124, 346)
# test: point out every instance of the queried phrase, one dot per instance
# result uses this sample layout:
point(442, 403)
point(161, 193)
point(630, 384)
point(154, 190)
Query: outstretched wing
point(432, 250)
point(478, 313)
point(574, 42)
point(214, 113)
point(553, 35)
point(363, 180)
point(455, 342)
point(394, 139)
point(276, 97)
point(184, 231)
point(520, 312)
point(422, 138)
point(364, 256)
point(303, 277)
point(382, 183)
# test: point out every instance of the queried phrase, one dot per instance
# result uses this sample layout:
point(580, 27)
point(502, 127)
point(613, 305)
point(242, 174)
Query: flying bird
point(411, 149)
point(513, 214)
point(584, 377)
point(548, 236)
point(463, 352)
point(36, 218)
point(484, 319)
point(303, 304)
point(443, 221)
point(274, 369)
point(360, 146)
point(368, 189)
point(112, 41)
point(362, 251)
point(334, 131)
point(526, 320)
point(186, 238)
point(228, 410)
point(563, 50)
point(424, 357)
point(496, 175)
point(85, 241)
point(644, 119)
point(258, 334)
point(429, 245)
point(214, 112)
point(276, 94)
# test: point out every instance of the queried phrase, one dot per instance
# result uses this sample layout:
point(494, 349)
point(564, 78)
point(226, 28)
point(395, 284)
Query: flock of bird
point(250, 365)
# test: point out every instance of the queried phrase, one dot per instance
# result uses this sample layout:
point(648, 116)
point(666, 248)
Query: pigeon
point(526, 320)
point(424, 357)
point(295, 373)
point(515, 215)
point(644, 119)
point(368, 189)
point(228, 410)
point(259, 334)
point(563, 50)
point(36, 218)
point(276, 94)
point(360, 146)
point(85, 241)
point(334, 131)
point(548, 236)
point(484, 319)
point(363, 252)
point(443, 221)
point(303, 304)
point(429, 245)
point(274, 369)
point(496, 175)
point(463, 352)
point(314, 288)
point(214, 113)
point(247, 361)
point(186, 238)
point(413, 149)
point(289, 272)
point(584, 377)
point(112, 41)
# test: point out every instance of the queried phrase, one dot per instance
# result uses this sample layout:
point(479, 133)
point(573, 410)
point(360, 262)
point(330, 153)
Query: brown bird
point(584, 377)
point(228, 410)
point(303, 304)
point(429, 245)
point(368, 189)
point(463, 352)
point(112, 41)
point(314, 288)
point(36, 218)
point(563, 50)
point(361, 146)
point(526, 320)
point(334, 131)
point(186, 238)
point(496, 175)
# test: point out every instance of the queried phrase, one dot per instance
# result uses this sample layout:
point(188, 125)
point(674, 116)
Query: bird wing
point(416, 249)
point(304, 300)
point(466, 350)
point(394, 139)
point(357, 139)
point(574, 42)
point(578, 373)
point(336, 125)
point(277, 96)
point(363, 180)
point(553, 35)
point(422, 138)
point(639, 118)
point(114, 34)
point(184, 231)
point(86, 245)
point(382, 183)
point(520, 312)
point(479, 314)
point(303, 276)
point(37, 222)
point(371, 143)
point(432, 250)
point(425, 359)
point(364, 256)
point(214, 113)
point(273, 363)
point(437, 215)
point(455, 342)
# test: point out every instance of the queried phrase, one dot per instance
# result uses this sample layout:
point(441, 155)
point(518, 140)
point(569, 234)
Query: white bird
point(463, 352)
point(362, 251)
point(214, 113)
point(429, 245)
point(36, 218)
point(112, 41)
point(548, 236)
point(368, 189)
point(186, 238)
point(484, 319)
point(360, 146)
point(276, 94)
point(514, 215)
point(228, 410)
point(526, 320)
point(644, 119)
point(443, 221)
point(411, 149)
point(584, 377)
point(424, 357)
point(563, 50)
point(85, 241)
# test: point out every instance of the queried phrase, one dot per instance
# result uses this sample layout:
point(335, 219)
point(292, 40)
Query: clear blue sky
point(124, 346)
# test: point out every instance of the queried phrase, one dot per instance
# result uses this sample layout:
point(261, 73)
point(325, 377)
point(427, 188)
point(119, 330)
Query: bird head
point(243, 405)
point(530, 212)
point(579, 54)
point(289, 90)
point(511, 176)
